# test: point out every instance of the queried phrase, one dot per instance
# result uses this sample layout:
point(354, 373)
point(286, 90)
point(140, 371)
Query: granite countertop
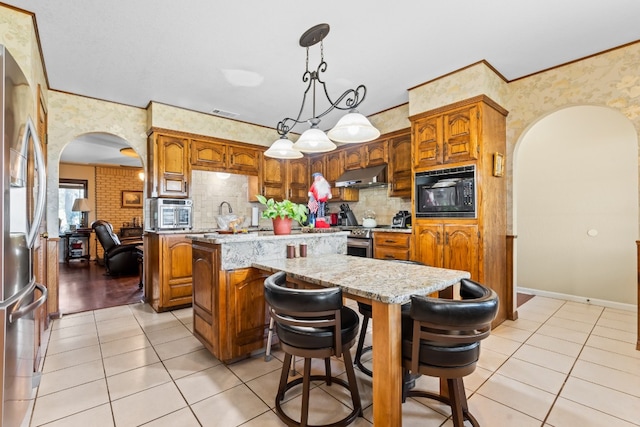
point(375, 279)
point(391, 230)
point(221, 238)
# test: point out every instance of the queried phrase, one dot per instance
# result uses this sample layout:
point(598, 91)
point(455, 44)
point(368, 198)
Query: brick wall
point(110, 183)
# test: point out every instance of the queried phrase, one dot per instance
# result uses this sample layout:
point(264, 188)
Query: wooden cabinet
point(389, 245)
point(298, 180)
point(365, 155)
point(400, 176)
point(334, 167)
point(169, 170)
point(446, 138)
point(453, 246)
point(167, 266)
point(469, 132)
point(221, 156)
point(282, 179)
point(229, 315)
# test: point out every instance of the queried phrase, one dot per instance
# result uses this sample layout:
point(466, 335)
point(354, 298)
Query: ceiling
point(244, 57)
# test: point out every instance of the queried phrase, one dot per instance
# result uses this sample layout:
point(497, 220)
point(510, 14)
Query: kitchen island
point(385, 285)
point(229, 315)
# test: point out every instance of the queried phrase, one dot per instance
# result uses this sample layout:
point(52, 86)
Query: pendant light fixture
point(352, 128)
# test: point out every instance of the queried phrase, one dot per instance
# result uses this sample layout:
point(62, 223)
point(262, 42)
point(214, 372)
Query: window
point(68, 191)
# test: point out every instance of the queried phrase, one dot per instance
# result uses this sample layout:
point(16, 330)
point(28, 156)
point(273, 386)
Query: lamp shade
point(313, 140)
point(283, 149)
point(81, 205)
point(353, 128)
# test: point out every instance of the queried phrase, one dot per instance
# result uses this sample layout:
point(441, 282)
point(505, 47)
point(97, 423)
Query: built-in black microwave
point(446, 193)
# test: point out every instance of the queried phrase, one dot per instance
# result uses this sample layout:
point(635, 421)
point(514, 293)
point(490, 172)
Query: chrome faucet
point(220, 208)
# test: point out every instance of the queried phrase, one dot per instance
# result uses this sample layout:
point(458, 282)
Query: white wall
point(577, 170)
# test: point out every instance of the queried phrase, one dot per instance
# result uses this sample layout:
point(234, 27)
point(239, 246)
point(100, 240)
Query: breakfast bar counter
point(386, 286)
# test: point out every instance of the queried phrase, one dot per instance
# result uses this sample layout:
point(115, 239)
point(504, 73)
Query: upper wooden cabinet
point(446, 138)
point(400, 176)
point(365, 155)
point(169, 170)
point(219, 156)
point(282, 179)
point(298, 180)
point(334, 167)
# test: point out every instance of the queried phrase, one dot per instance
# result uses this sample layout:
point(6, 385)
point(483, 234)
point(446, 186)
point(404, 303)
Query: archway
point(576, 206)
point(101, 162)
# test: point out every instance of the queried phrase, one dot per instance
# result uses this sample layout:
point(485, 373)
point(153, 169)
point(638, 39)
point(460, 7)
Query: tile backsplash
point(208, 191)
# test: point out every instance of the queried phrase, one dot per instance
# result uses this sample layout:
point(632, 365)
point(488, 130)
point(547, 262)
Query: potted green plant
point(282, 213)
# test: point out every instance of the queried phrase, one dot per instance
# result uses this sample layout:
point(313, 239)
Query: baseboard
point(583, 300)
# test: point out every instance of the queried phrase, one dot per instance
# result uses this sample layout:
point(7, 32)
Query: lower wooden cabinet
point(167, 259)
point(387, 245)
point(229, 315)
point(453, 246)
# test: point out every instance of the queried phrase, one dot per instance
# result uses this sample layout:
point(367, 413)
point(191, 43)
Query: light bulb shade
point(314, 140)
point(283, 149)
point(129, 152)
point(81, 205)
point(353, 128)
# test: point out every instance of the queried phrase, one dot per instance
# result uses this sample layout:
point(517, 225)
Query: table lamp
point(81, 205)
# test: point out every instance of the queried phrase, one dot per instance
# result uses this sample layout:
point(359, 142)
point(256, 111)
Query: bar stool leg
point(267, 353)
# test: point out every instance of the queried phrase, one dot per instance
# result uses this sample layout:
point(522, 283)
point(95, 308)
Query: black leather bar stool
point(312, 323)
point(366, 311)
point(443, 340)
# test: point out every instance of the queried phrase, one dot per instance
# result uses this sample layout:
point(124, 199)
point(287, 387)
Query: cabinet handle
point(388, 241)
point(446, 238)
point(290, 192)
point(437, 237)
point(231, 159)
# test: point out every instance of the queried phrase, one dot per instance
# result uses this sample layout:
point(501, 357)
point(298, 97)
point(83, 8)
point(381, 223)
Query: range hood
point(363, 178)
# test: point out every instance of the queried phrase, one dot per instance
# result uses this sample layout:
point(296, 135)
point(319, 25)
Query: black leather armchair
point(119, 259)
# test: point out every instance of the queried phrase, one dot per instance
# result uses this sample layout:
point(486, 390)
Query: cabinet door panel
point(177, 275)
point(428, 244)
point(245, 160)
point(208, 155)
point(400, 176)
point(298, 177)
point(427, 136)
point(273, 179)
point(461, 248)
point(354, 158)
point(375, 153)
point(461, 135)
point(247, 309)
point(173, 166)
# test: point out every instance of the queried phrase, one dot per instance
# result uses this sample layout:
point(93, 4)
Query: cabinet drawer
point(387, 252)
point(399, 240)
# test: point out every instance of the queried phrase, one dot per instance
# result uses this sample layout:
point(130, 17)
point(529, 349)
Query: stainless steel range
point(359, 241)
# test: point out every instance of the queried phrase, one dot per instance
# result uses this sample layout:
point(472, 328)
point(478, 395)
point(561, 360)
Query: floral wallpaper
point(610, 79)
point(168, 117)
point(71, 116)
point(477, 79)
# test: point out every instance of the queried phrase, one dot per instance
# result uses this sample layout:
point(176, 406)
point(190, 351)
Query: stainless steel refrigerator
point(23, 203)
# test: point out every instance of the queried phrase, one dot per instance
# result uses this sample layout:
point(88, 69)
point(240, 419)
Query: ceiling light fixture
point(352, 128)
point(128, 151)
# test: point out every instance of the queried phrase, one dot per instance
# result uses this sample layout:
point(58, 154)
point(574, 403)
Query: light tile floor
point(560, 364)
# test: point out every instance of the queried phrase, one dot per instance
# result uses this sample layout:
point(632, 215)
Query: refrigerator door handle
point(42, 182)
point(17, 314)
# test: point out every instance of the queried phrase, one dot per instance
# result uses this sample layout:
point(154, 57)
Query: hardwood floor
point(85, 286)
